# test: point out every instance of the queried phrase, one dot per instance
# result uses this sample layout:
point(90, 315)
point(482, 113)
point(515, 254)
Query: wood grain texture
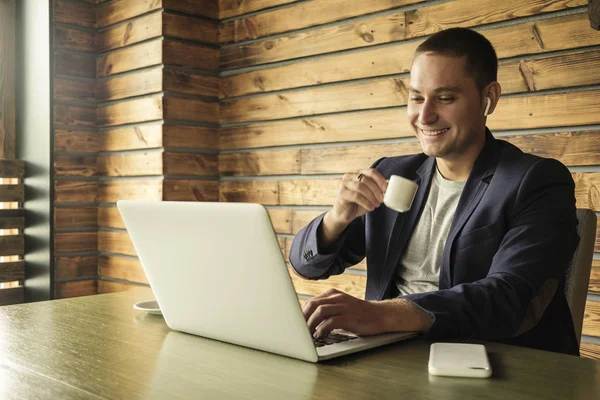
point(354, 285)
point(594, 287)
point(347, 35)
point(145, 81)
point(302, 15)
point(15, 295)
point(185, 27)
point(12, 193)
point(234, 8)
point(140, 55)
point(142, 136)
point(184, 109)
point(591, 318)
point(462, 13)
point(357, 126)
point(560, 33)
point(587, 190)
point(109, 217)
point(124, 268)
point(12, 271)
point(75, 64)
point(280, 162)
point(187, 82)
point(7, 78)
point(69, 140)
point(66, 89)
point(263, 192)
point(590, 350)
point(65, 290)
point(131, 111)
point(66, 242)
point(12, 222)
point(114, 287)
point(133, 31)
point(190, 190)
point(201, 8)
point(65, 165)
point(121, 10)
point(75, 217)
point(70, 38)
point(12, 168)
point(281, 219)
point(181, 136)
point(597, 244)
point(190, 164)
point(75, 191)
point(594, 14)
point(115, 242)
point(74, 116)
point(70, 267)
point(74, 13)
point(131, 164)
point(130, 189)
point(191, 55)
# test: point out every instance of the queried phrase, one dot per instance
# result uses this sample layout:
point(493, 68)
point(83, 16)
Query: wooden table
point(99, 347)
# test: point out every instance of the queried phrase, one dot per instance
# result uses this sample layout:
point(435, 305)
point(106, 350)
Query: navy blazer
point(503, 267)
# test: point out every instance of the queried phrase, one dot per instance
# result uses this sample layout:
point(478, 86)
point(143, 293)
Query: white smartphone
point(459, 359)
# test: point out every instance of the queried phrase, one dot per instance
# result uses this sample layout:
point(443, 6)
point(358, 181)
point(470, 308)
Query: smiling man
point(482, 253)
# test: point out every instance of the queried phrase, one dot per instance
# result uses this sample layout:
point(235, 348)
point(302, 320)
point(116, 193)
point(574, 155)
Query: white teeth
point(434, 133)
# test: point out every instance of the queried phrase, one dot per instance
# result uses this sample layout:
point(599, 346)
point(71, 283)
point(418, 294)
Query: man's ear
point(492, 91)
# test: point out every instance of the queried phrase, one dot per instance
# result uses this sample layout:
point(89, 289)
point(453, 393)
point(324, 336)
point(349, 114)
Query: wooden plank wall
point(312, 90)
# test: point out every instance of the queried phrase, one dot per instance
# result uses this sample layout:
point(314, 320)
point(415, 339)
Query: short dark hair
point(482, 61)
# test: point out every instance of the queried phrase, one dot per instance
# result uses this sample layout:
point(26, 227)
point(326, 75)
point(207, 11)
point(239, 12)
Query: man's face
point(445, 108)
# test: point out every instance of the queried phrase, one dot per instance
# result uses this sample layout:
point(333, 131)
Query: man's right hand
point(358, 194)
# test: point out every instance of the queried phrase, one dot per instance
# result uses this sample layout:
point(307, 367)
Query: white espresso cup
point(400, 193)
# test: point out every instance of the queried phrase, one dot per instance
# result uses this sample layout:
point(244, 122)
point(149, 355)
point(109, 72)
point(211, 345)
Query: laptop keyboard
point(332, 338)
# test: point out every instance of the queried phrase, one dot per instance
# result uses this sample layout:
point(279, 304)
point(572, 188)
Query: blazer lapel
point(404, 224)
point(474, 189)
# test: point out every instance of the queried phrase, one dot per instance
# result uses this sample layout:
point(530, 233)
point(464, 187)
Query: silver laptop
point(217, 271)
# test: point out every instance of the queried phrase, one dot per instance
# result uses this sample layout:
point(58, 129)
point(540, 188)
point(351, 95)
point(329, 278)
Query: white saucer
point(151, 307)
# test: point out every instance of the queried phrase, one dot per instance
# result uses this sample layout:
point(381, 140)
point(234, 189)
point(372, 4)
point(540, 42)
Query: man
point(483, 251)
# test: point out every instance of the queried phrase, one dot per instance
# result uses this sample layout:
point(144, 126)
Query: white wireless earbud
point(487, 106)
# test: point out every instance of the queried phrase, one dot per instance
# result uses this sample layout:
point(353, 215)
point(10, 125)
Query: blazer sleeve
point(526, 269)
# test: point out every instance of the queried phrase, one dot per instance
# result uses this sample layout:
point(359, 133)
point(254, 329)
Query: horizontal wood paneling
point(192, 55)
point(12, 271)
point(190, 190)
point(74, 90)
point(15, 295)
point(587, 190)
point(132, 137)
point(184, 109)
point(122, 268)
point(75, 217)
point(142, 82)
point(347, 35)
point(74, 64)
point(179, 81)
point(74, 13)
point(69, 38)
point(69, 267)
point(234, 8)
point(190, 164)
point(594, 287)
point(65, 290)
point(75, 191)
point(111, 287)
point(280, 162)
point(462, 13)
point(121, 10)
point(189, 28)
point(148, 163)
point(130, 189)
point(9, 193)
point(302, 15)
point(591, 318)
point(134, 31)
point(353, 285)
point(131, 111)
point(590, 350)
point(74, 116)
point(133, 57)
point(201, 8)
point(65, 242)
point(109, 217)
point(561, 33)
point(12, 168)
point(12, 222)
point(75, 165)
point(71, 140)
point(190, 137)
point(115, 242)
